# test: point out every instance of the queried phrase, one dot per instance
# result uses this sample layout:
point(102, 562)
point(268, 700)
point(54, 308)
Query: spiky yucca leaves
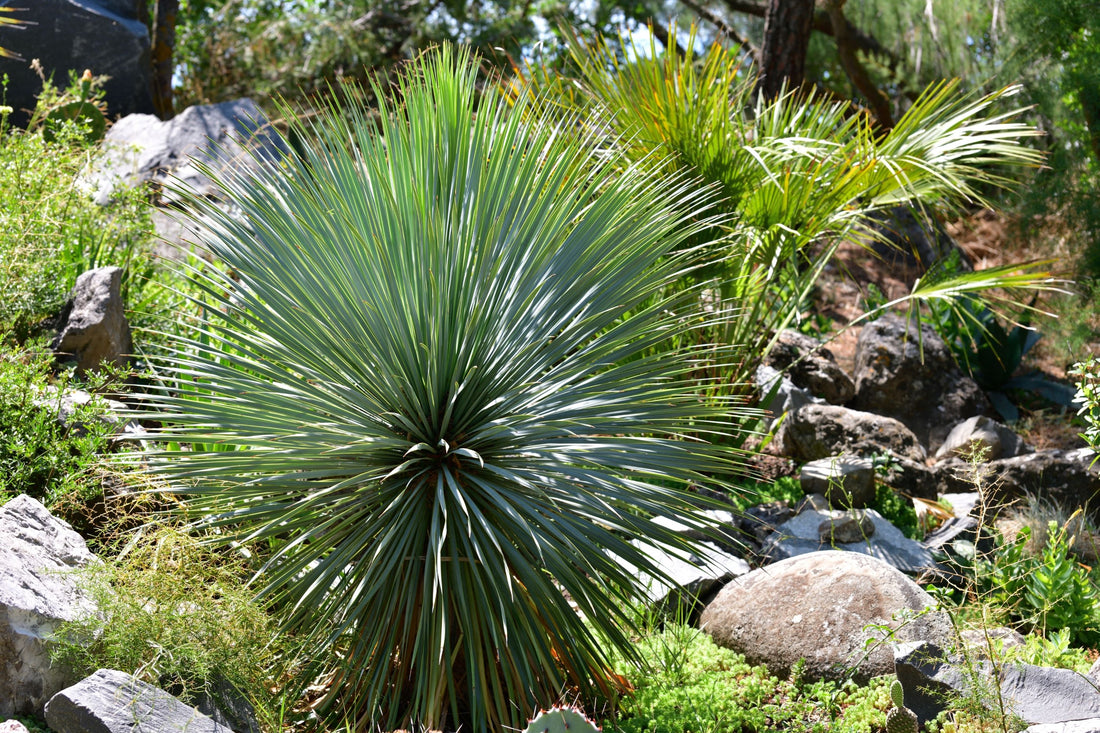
point(435, 359)
point(800, 174)
point(10, 23)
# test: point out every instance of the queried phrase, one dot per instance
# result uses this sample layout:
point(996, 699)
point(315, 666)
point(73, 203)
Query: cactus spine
point(900, 719)
point(560, 720)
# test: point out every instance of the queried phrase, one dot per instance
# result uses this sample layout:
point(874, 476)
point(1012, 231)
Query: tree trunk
point(163, 38)
point(846, 48)
point(786, 37)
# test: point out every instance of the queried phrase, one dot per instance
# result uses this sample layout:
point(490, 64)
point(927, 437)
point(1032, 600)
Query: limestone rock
point(105, 36)
point(115, 702)
point(801, 535)
point(995, 439)
point(13, 726)
point(818, 607)
point(1092, 725)
point(811, 367)
point(819, 431)
point(37, 593)
point(96, 331)
point(845, 481)
point(910, 374)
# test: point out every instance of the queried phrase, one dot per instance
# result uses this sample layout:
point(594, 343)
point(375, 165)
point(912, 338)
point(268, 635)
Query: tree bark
point(787, 26)
point(165, 15)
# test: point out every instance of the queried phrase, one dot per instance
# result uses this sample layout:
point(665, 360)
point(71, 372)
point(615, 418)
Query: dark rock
point(37, 593)
point(852, 527)
point(1038, 695)
point(912, 478)
point(911, 375)
point(96, 331)
point(801, 535)
point(1061, 477)
point(984, 434)
point(818, 431)
point(105, 36)
point(846, 482)
point(760, 521)
point(811, 367)
point(115, 702)
point(819, 607)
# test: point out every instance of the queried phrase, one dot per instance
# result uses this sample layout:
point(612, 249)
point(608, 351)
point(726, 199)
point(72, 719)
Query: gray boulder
point(1038, 695)
point(818, 431)
point(96, 331)
point(811, 367)
point(821, 607)
point(1064, 477)
point(984, 434)
point(802, 535)
point(1092, 725)
point(845, 481)
point(908, 373)
point(37, 593)
point(115, 702)
point(779, 394)
point(138, 149)
point(105, 36)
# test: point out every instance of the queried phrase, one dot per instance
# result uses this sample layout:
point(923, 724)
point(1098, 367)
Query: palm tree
point(435, 384)
point(799, 174)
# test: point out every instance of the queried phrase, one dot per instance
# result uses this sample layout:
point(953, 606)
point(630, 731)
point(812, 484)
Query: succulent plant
point(900, 719)
point(561, 720)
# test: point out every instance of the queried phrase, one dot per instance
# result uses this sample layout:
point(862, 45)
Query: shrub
point(434, 370)
point(39, 454)
point(177, 615)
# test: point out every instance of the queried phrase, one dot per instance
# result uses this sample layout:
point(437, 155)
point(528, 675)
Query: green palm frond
point(800, 175)
point(437, 361)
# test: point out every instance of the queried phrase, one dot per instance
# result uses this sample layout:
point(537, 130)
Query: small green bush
point(693, 686)
point(178, 615)
point(1047, 590)
point(39, 455)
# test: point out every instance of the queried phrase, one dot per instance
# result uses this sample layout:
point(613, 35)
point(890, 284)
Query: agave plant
point(435, 358)
point(800, 175)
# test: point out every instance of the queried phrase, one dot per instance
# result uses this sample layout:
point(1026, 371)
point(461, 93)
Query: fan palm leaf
point(436, 360)
point(800, 175)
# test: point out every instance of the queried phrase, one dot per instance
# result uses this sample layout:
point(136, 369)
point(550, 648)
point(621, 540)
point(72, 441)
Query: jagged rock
point(225, 137)
point(1038, 695)
point(984, 434)
point(760, 521)
point(37, 592)
point(779, 393)
point(813, 432)
point(115, 702)
point(845, 481)
point(697, 577)
point(929, 395)
point(801, 535)
point(811, 367)
point(1065, 478)
point(818, 607)
point(106, 36)
point(96, 331)
point(979, 641)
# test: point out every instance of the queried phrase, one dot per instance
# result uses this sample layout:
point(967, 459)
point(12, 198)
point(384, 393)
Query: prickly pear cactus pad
point(560, 720)
point(901, 720)
point(897, 694)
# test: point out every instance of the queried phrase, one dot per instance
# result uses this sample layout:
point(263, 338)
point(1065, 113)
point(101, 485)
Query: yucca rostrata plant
point(437, 360)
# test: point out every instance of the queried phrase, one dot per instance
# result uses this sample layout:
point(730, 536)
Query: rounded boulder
point(828, 608)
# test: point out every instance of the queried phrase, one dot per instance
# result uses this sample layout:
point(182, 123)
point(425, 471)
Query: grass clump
point(178, 615)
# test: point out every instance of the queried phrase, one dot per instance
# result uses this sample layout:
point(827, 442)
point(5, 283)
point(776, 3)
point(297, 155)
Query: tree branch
point(846, 50)
point(724, 28)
